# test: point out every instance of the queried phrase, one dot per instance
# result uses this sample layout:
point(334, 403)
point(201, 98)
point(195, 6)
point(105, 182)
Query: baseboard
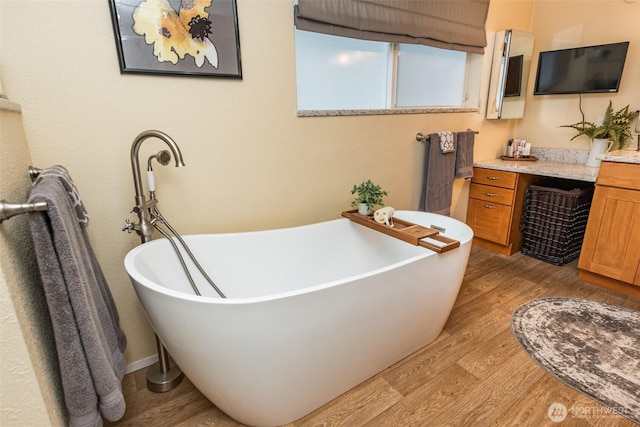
point(609, 283)
point(141, 364)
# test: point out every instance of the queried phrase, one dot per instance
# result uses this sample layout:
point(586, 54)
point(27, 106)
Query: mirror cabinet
point(512, 53)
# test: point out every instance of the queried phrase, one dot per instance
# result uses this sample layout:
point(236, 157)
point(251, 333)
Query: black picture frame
point(160, 37)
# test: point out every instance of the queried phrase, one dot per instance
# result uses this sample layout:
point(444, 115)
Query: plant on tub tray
point(369, 195)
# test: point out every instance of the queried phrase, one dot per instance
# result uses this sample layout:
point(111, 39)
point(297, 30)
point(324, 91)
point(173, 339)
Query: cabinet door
point(489, 221)
point(611, 245)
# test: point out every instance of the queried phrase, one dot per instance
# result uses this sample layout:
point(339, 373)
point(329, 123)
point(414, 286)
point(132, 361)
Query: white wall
point(565, 24)
point(29, 378)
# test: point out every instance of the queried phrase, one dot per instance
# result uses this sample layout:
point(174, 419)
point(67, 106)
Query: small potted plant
point(369, 195)
point(615, 127)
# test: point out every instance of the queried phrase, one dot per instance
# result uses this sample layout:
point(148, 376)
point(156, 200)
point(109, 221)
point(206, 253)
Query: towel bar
point(421, 137)
point(8, 210)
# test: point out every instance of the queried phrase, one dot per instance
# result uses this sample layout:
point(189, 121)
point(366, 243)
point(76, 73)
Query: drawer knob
point(488, 206)
point(492, 178)
point(486, 193)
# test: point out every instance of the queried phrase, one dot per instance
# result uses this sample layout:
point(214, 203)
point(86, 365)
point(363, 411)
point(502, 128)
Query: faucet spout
point(144, 228)
point(135, 157)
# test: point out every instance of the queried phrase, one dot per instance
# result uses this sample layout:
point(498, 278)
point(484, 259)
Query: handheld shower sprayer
point(163, 157)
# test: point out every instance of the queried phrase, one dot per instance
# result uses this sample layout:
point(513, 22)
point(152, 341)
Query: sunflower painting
point(189, 37)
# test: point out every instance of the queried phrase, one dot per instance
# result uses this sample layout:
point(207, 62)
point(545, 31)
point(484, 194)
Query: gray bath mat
point(590, 346)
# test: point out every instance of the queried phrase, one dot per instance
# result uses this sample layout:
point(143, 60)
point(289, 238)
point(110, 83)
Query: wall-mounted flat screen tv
point(590, 69)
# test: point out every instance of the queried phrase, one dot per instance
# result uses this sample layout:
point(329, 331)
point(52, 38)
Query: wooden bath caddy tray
point(407, 231)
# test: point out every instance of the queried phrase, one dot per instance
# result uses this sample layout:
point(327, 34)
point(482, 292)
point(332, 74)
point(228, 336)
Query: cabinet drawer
point(622, 175)
point(494, 177)
point(491, 194)
point(489, 220)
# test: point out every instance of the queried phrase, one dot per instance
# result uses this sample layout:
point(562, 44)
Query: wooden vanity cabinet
point(495, 207)
point(610, 254)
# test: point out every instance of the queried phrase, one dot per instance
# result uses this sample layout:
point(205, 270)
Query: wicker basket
point(554, 219)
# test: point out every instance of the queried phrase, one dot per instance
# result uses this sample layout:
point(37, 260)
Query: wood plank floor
point(473, 374)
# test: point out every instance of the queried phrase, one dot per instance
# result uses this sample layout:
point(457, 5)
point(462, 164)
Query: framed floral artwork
point(181, 37)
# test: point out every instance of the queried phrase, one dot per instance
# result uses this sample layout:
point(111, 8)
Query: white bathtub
point(310, 312)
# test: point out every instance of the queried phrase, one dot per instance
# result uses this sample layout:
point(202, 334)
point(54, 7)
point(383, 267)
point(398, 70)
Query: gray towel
point(61, 173)
point(464, 154)
point(85, 320)
point(437, 183)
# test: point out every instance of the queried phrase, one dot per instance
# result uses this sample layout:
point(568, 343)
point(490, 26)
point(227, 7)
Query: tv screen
point(590, 69)
point(514, 76)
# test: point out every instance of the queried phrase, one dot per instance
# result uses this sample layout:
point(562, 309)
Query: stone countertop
point(551, 168)
point(621, 156)
point(560, 163)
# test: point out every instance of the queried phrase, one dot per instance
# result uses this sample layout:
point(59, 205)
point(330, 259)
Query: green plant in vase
point(369, 194)
point(616, 126)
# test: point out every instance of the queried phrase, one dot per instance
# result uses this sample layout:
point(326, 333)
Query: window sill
point(328, 113)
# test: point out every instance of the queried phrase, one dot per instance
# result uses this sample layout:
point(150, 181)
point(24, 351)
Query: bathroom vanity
point(496, 197)
point(609, 255)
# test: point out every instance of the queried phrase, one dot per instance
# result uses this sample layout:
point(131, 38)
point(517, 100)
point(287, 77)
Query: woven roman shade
point(447, 24)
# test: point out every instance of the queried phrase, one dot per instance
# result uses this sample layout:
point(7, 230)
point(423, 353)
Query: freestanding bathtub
point(311, 311)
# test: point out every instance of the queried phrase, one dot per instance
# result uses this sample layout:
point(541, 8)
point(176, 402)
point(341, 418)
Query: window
point(339, 73)
point(428, 76)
